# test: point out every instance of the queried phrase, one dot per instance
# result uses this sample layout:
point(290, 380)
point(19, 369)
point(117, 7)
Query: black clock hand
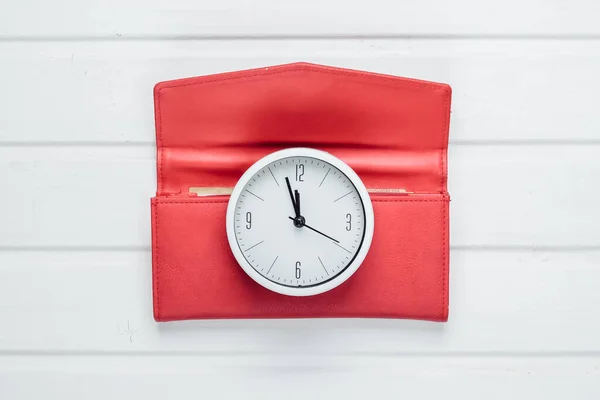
point(296, 210)
point(314, 230)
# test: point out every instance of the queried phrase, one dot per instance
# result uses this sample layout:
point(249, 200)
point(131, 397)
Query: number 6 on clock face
point(300, 222)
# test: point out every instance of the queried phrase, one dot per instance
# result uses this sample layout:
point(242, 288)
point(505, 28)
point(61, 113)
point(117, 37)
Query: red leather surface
point(404, 274)
point(393, 131)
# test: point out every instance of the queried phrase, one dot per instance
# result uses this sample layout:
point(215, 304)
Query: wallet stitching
point(160, 168)
point(374, 200)
point(393, 80)
point(445, 134)
point(444, 261)
point(410, 201)
point(441, 169)
point(192, 202)
point(444, 172)
point(156, 260)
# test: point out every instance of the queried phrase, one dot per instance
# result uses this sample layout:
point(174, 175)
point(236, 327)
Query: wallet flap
point(392, 130)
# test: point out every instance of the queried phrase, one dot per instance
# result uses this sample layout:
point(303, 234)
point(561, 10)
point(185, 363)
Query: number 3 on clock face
point(300, 222)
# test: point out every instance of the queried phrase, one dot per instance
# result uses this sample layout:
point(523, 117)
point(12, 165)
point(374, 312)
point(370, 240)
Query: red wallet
point(392, 131)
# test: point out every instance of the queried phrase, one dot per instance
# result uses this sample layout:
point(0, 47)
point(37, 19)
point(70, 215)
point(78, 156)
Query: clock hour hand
point(296, 209)
point(297, 195)
point(314, 230)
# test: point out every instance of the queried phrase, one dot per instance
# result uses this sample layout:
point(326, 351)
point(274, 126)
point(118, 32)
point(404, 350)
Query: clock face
point(300, 222)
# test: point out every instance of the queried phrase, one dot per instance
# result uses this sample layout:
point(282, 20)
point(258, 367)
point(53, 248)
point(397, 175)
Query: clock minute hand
point(296, 210)
point(314, 230)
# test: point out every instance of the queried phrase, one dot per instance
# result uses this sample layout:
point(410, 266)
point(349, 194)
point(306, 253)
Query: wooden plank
point(114, 18)
point(98, 197)
point(297, 377)
point(503, 90)
point(537, 302)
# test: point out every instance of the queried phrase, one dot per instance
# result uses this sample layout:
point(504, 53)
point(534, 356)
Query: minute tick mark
point(258, 197)
point(272, 265)
point(341, 247)
point(325, 176)
point(323, 265)
point(251, 247)
point(273, 176)
point(339, 198)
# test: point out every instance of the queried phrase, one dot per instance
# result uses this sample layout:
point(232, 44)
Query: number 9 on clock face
point(300, 222)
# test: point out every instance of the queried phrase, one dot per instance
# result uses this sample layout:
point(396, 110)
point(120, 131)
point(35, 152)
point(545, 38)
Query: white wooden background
point(77, 170)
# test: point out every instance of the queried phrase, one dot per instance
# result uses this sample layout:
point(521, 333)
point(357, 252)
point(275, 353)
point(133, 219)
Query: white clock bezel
point(360, 188)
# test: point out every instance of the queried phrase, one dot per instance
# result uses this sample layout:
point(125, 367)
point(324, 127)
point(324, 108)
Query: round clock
point(300, 222)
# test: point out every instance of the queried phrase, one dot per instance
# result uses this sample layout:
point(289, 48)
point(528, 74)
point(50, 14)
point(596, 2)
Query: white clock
point(300, 222)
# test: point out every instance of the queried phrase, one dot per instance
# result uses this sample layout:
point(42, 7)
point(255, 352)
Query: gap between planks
point(274, 37)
